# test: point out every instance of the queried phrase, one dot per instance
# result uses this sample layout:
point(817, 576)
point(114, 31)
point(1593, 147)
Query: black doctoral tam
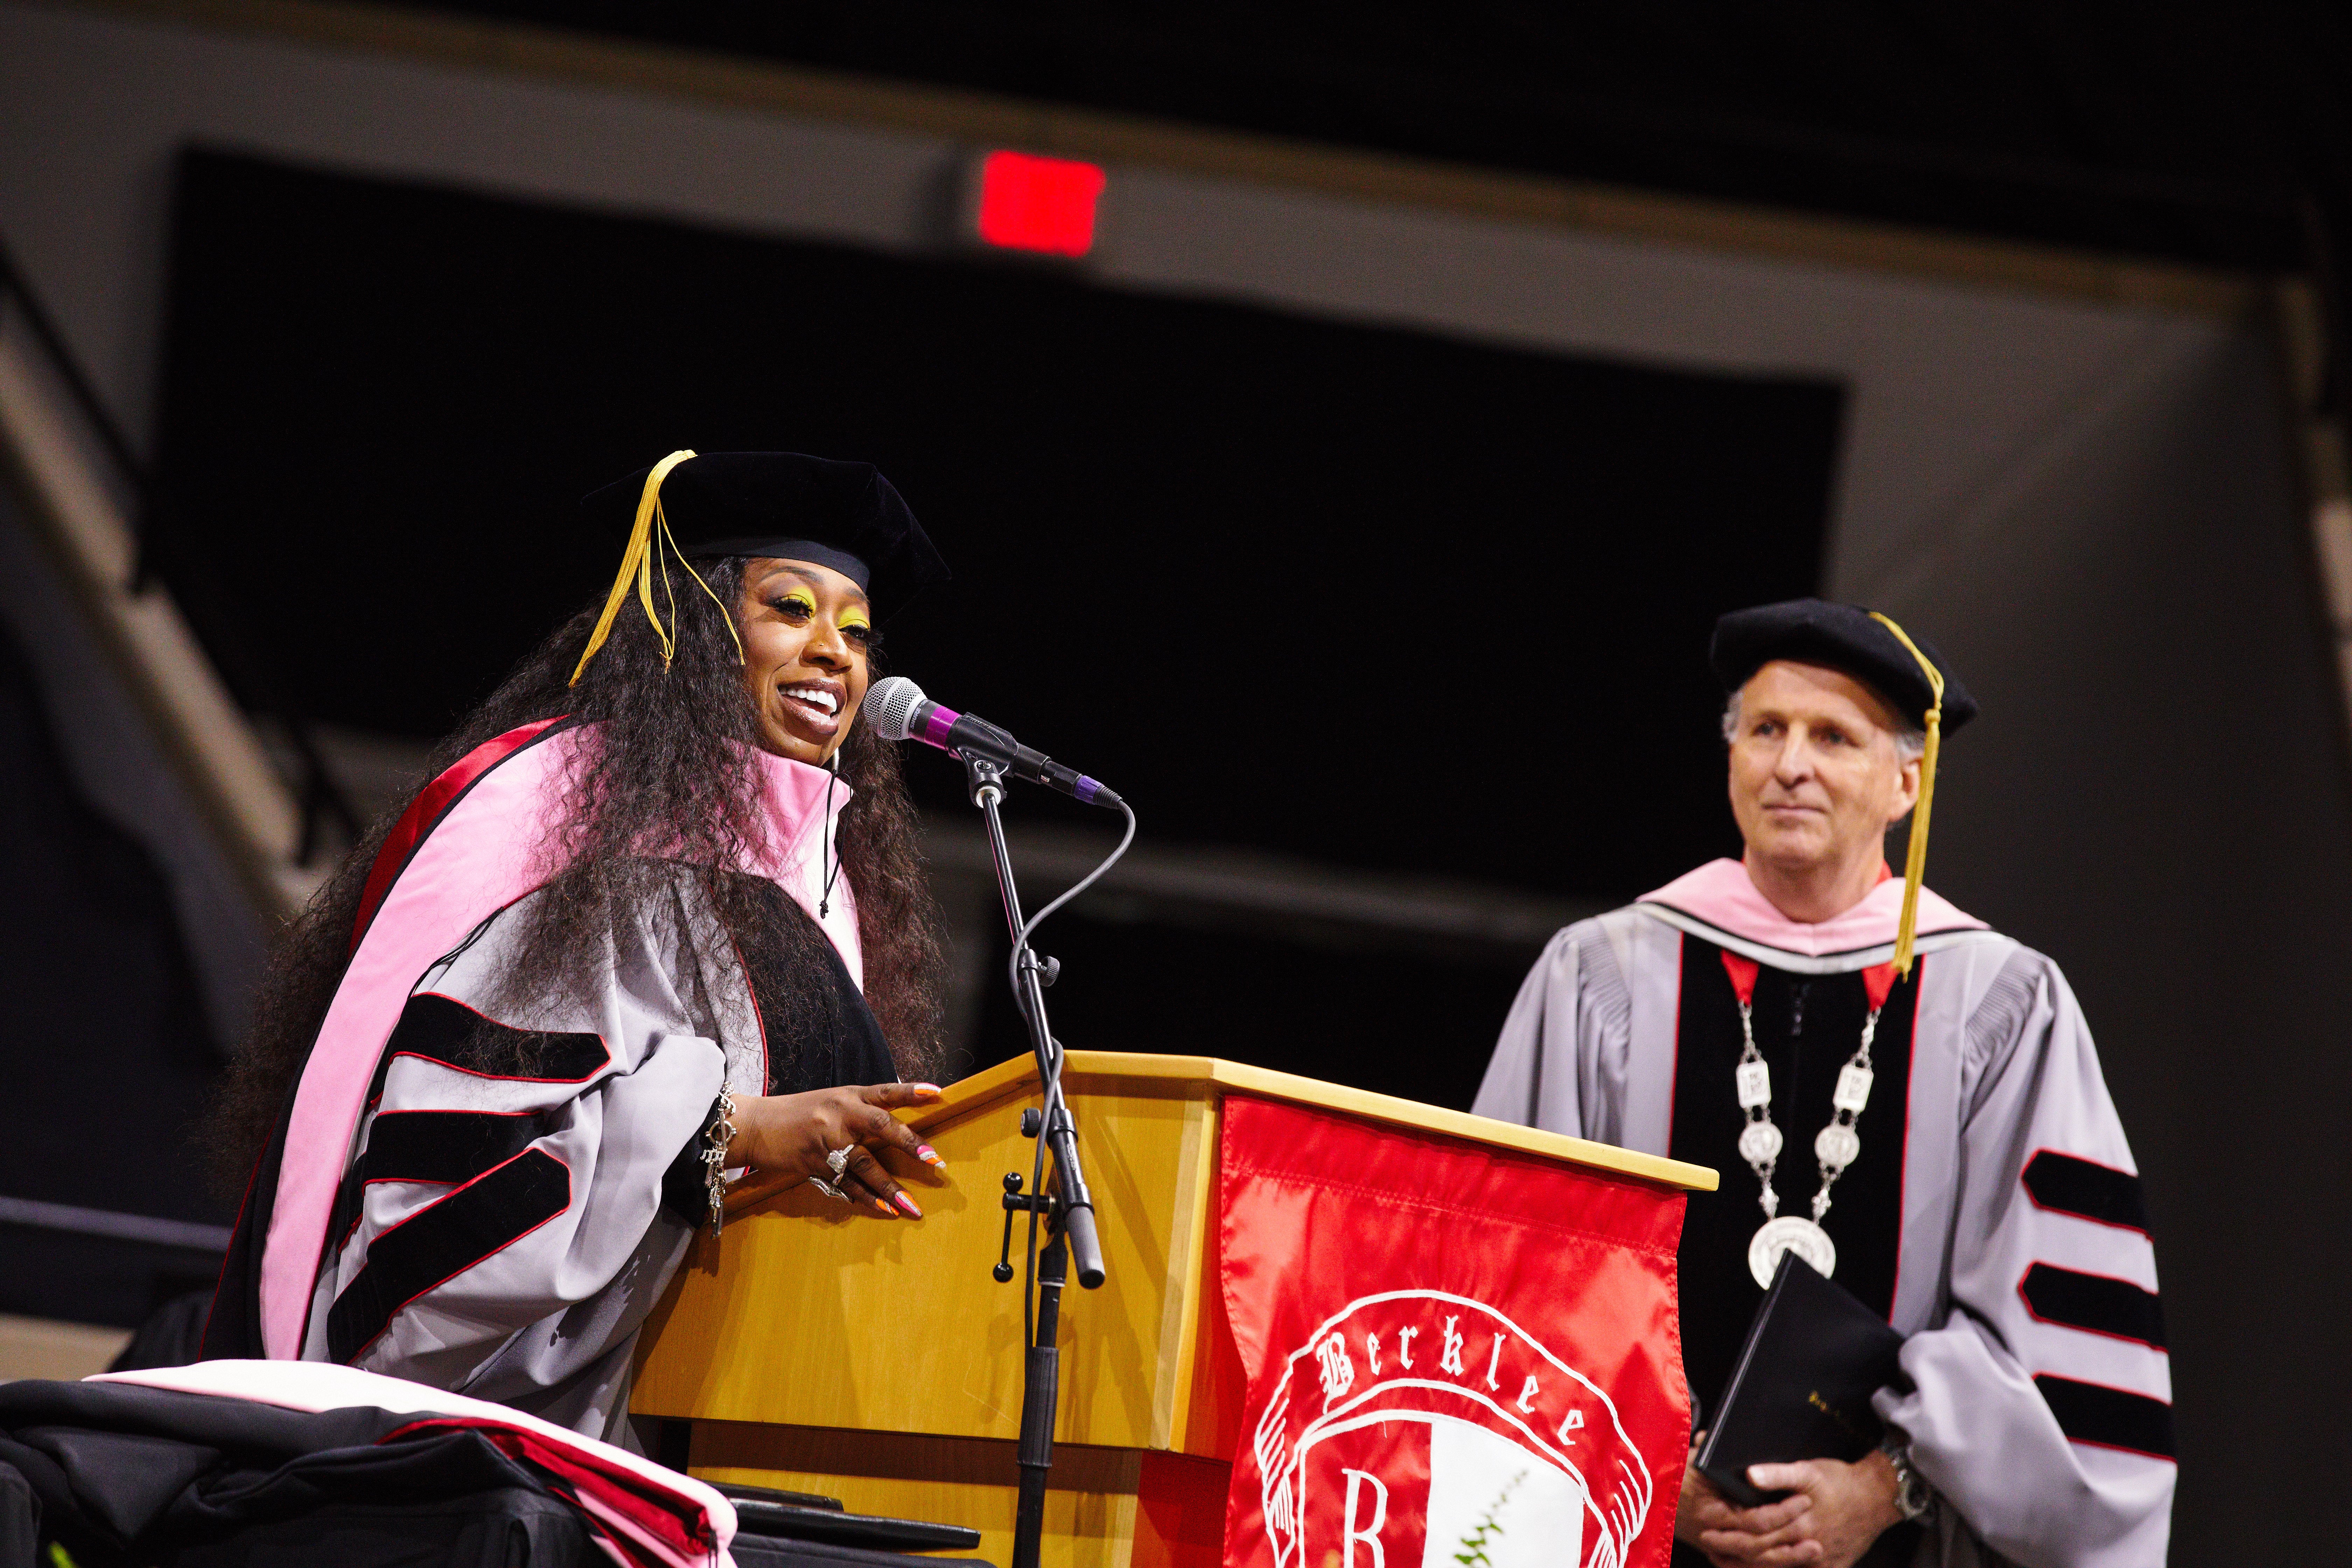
point(1842, 637)
point(792, 506)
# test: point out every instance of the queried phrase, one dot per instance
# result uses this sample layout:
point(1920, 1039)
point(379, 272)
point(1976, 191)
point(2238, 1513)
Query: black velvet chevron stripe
point(450, 1146)
point(2094, 1302)
point(2108, 1417)
point(2086, 1190)
point(456, 1036)
point(437, 1243)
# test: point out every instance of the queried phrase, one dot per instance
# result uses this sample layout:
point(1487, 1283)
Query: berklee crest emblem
point(1413, 1420)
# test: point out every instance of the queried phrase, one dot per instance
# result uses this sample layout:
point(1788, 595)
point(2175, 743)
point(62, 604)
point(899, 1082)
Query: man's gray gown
point(2023, 1274)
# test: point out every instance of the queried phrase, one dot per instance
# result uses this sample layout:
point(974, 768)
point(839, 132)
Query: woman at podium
point(659, 920)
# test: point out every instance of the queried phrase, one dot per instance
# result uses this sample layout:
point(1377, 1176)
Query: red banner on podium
point(1455, 1355)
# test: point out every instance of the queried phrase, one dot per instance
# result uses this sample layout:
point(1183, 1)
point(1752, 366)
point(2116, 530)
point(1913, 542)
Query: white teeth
point(815, 697)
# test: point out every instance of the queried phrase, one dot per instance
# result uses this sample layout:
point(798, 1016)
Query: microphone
point(898, 710)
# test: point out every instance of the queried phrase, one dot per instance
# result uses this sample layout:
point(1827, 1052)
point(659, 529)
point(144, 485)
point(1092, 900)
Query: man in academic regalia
point(1975, 1187)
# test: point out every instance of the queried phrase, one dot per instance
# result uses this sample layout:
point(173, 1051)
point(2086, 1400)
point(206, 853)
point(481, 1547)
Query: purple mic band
point(1087, 788)
point(936, 724)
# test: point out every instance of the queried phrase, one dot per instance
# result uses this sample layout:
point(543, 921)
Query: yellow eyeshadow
point(852, 621)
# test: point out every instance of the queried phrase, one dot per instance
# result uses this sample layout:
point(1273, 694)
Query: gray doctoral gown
point(534, 1298)
point(490, 1200)
point(2048, 1440)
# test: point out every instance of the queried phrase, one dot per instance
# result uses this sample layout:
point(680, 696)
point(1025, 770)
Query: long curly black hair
point(669, 768)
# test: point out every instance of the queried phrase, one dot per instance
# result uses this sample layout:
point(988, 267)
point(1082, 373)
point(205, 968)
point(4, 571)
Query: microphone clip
point(983, 778)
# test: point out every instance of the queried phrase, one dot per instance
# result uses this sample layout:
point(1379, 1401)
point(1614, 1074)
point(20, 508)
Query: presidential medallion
point(1790, 1233)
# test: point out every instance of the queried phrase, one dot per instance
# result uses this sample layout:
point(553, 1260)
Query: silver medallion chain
point(1838, 1144)
point(1835, 1148)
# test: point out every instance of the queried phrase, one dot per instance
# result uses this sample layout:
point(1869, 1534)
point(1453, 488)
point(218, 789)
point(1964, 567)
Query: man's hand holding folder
point(1833, 1513)
point(1792, 1472)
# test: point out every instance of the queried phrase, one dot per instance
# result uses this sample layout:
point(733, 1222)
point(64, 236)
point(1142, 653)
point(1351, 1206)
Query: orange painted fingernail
point(909, 1204)
point(930, 1157)
point(924, 1087)
point(888, 1212)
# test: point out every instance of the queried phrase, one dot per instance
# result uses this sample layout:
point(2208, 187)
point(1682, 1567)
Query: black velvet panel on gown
point(825, 1035)
point(1806, 1026)
point(822, 1036)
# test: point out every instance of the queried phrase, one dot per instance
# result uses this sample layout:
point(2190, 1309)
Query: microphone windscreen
point(889, 706)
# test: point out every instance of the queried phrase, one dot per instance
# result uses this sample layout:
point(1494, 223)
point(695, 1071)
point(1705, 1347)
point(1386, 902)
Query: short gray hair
point(1910, 740)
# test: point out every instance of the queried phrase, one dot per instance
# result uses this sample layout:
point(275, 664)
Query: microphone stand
point(1063, 1203)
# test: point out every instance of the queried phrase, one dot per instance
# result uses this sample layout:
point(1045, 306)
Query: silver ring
point(838, 1162)
point(827, 1188)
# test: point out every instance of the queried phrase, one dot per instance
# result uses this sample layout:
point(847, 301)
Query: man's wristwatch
point(1915, 1500)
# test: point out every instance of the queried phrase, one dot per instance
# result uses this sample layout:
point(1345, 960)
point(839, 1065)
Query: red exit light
point(1038, 203)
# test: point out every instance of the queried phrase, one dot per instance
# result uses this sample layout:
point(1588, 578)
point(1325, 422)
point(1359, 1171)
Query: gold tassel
point(637, 561)
point(1915, 869)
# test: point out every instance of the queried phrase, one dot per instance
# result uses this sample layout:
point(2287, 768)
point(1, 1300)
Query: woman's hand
point(791, 1134)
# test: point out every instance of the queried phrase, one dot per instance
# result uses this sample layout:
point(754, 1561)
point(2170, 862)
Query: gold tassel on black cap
point(1915, 869)
point(649, 538)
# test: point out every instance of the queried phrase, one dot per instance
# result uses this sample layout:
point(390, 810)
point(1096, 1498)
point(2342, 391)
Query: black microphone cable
point(1053, 1085)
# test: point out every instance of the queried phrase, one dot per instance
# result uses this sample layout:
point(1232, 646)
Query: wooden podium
point(879, 1362)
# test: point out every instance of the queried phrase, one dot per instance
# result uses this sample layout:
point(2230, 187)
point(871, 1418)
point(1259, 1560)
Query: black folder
point(1802, 1387)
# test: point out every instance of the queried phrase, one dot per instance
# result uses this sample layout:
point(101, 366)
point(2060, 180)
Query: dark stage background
point(96, 1050)
point(1376, 597)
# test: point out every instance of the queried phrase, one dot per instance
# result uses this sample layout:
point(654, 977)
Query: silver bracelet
point(715, 1137)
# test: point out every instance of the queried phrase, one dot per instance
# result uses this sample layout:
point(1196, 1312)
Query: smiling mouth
point(817, 706)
